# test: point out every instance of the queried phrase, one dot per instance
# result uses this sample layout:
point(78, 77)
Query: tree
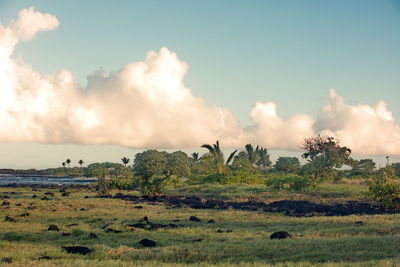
point(155, 169)
point(252, 154)
point(287, 164)
point(81, 162)
point(324, 154)
point(63, 164)
point(218, 157)
point(68, 161)
point(195, 157)
point(263, 161)
point(396, 167)
point(365, 167)
point(125, 161)
point(383, 187)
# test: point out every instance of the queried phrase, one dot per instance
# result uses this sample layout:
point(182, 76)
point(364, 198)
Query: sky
point(96, 80)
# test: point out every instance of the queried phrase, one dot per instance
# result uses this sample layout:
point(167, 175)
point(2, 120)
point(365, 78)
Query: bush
point(288, 181)
point(383, 188)
point(238, 177)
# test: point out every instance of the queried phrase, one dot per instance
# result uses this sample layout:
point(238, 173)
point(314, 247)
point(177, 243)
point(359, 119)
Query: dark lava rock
point(211, 221)
point(359, 223)
point(6, 260)
point(280, 235)
point(86, 197)
point(110, 230)
point(82, 209)
point(9, 219)
point(5, 203)
point(26, 214)
point(49, 194)
point(144, 219)
point(65, 194)
point(18, 204)
point(147, 243)
point(138, 207)
point(63, 190)
point(53, 228)
point(44, 257)
point(194, 219)
point(77, 250)
point(198, 240)
point(93, 236)
point(222, 231)
point(66, 234)
point(34, 196)
point(44, 198)
point(72, 224)
point(6, 197)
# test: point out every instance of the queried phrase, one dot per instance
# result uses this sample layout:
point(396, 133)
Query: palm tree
point(195, 156)
point(125, 161)
point(68, 161)
point(252, 154)
point(263, 158)
point(218, 156)
point(81, 162)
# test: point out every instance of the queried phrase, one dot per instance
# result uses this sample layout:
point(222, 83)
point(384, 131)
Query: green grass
point(316, 241)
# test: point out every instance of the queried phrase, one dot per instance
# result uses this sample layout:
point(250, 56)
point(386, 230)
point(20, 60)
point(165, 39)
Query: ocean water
point(7, 179)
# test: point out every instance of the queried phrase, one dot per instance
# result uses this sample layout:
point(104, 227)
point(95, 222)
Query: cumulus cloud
point(368, 130)
point(146, 105)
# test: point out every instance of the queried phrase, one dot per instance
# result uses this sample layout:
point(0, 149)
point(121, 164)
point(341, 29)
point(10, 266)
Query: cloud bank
point(146, 105)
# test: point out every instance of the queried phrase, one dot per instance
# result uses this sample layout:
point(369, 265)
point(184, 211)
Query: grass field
point(237, 238)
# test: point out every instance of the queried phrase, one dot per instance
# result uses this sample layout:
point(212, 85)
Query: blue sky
point(238, 52)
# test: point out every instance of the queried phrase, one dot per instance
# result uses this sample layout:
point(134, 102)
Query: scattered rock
point(92, 235)
point(223, 231)
point(147, 243)
point(9, 219)
point(72, 224)
point(138, 207)
point(82, 209)
point(211, 221)
point(194, 219)
point(6, 197)
point(34, 196)
point(65, 194)
point(110, 230)
point(63, 190)
point(66, 234)
point(144, 219)
point(5, 203)
point(49, 194)
point(280, 235)
point(77, 250)
point(6, 260)
point(31, 208)
point(359, 223)
point(53, 228)
point(26, 214)
point(198, 240)
point(44, 198)
point(18, 204)
point(86, 197)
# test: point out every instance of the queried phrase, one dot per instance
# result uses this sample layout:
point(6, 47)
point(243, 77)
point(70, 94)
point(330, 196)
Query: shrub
point(238, 177)
point(383, 188)
point(288, 181)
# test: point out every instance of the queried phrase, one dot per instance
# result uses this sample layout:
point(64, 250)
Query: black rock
point(82, 209)
point(65, 194)
point(110, 230)
point(6, 260)
point(92, 235)
point(18, 204)
point(86, 197)
point(24, 214)
point(66, 234)
point(211, 221)
point(77, 250)
point(359, 223)
point(53, 228)
point(138, 207)
point(34, 196)
point(9, 219)
point(44, 198)
point(44, 257)
point(144, 219)
point(49, 194)
point(5, 203)
point(280, 235)
point(72, 224)
point(147, 243)
point(194, 219)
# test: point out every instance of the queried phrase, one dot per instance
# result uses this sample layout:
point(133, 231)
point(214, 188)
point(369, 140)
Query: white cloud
point(145, 104)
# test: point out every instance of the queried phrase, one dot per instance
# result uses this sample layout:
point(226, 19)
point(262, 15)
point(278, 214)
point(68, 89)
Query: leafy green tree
point(81, 162)
point(68, 161)
point(218, 157)
point(263, 161)
point(287, 164)
point(365, 167)
point(195, 157)
point(155, 169)
point(324, 154)
point(125, 161)
point(242, 163)
point(383, 187)
point(396, 167)
point(63, 164)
